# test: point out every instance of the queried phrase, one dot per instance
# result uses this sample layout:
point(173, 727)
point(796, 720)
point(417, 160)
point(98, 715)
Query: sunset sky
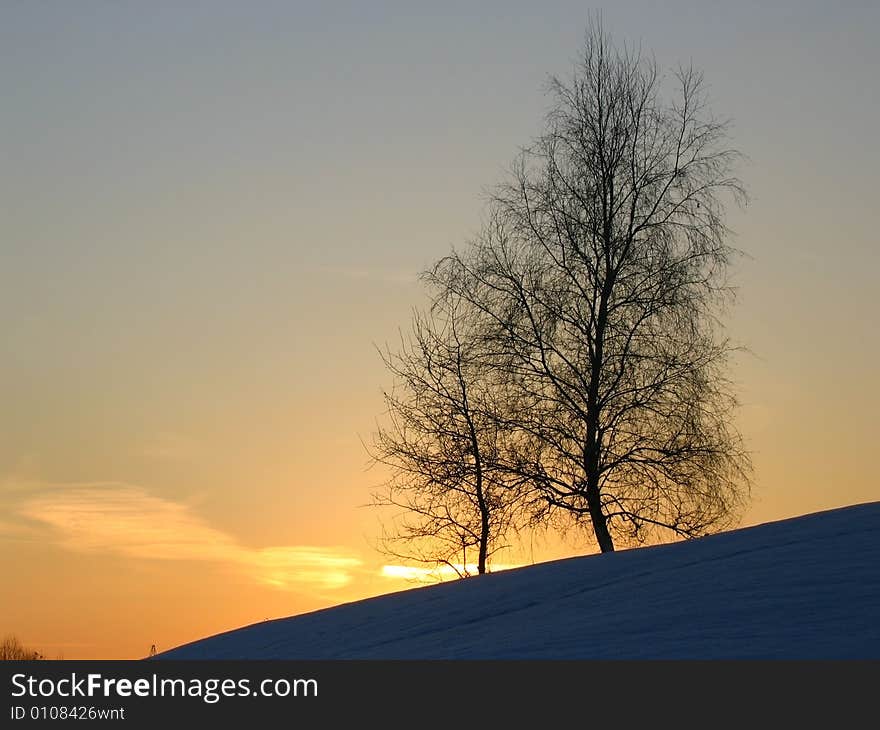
point(211, 213)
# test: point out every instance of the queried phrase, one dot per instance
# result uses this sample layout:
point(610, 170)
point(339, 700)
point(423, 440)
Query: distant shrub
point(11, 649)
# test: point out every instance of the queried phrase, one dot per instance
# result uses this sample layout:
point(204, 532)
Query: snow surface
point(803, 588)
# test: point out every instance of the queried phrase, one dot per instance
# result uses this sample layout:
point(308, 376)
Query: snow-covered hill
point(807, 587)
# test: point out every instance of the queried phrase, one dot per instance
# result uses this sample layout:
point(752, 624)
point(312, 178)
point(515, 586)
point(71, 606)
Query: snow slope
point(807, 587)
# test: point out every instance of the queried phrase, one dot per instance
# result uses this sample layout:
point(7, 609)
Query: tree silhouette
point(442, 444)
point(599, 280)
point(593, 300)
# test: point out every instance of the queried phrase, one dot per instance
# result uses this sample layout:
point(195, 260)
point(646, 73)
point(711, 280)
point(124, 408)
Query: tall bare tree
point(597, 288)
point(442, 446)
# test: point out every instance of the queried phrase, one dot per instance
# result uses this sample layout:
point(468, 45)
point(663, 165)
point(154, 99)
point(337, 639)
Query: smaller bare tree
point(442, 444)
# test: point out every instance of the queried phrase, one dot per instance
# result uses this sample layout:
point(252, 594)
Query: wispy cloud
point(128, 521)
point(17, 531)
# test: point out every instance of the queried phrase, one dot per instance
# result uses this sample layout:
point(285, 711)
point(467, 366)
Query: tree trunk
point(600, 522)
point(484, 543)
point(593, 446)
point(592, 493)
point(483, 506)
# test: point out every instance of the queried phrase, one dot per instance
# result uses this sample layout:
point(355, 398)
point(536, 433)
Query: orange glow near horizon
point(433, 574)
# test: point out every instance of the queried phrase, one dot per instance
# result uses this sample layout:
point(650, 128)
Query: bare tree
point(597, 288)
point(442, 446)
